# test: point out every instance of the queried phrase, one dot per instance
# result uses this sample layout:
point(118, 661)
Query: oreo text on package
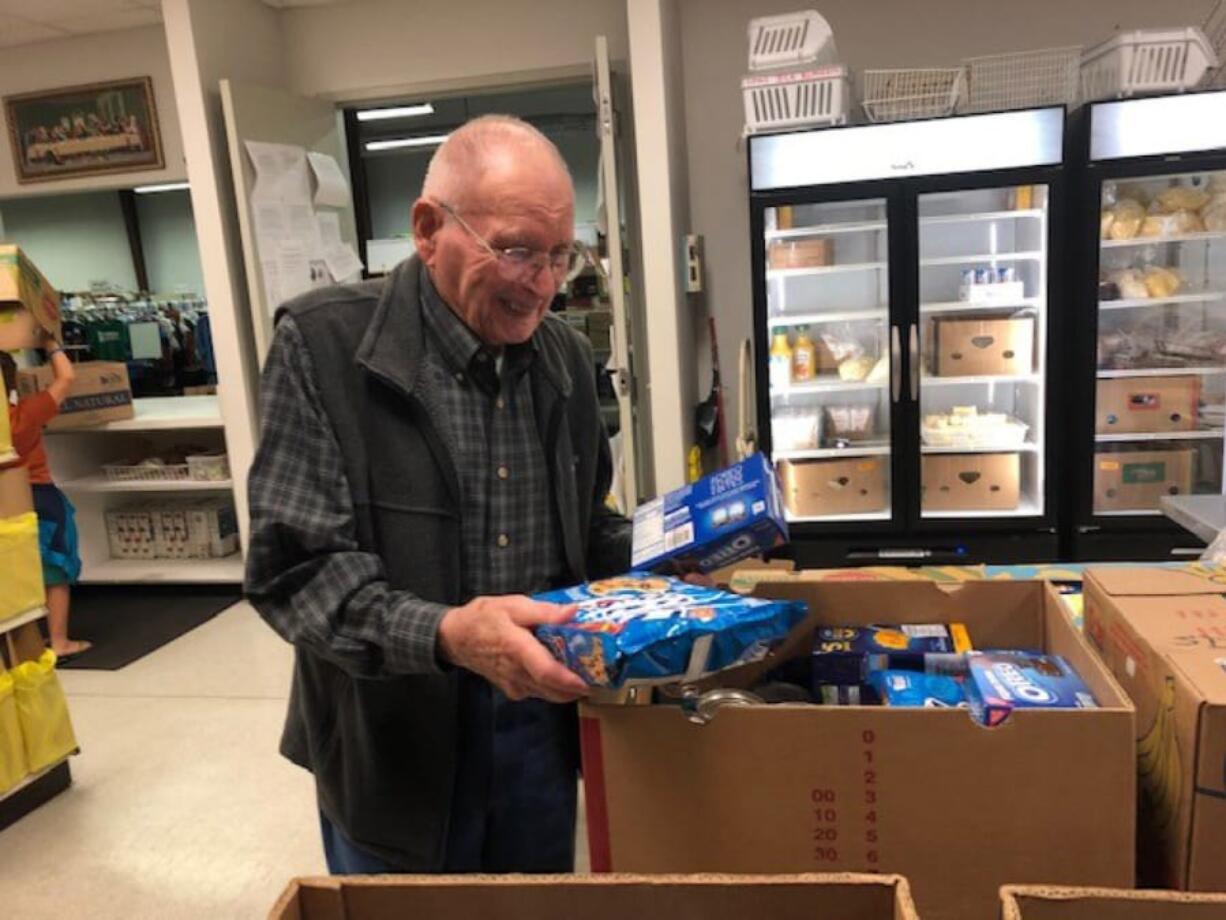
point(720, 519)
point(1000, 681)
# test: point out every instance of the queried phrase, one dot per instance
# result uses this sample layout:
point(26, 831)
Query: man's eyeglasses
point(519, 263)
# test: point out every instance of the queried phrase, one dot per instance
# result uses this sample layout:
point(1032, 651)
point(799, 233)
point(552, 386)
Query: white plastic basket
point(790, 40)
point(798, 99)
point(897, 95)
point(1023, 79)
point(146, 472)
point(1215, 31)
point(1147, 61)
point(208, 467)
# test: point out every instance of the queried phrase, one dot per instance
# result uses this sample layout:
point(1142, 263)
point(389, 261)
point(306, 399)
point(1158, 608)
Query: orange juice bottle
point(804, 356)
point(781, 359)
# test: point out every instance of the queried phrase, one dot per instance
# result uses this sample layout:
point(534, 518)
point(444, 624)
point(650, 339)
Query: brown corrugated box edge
point(1013, 896)
point(371, 897)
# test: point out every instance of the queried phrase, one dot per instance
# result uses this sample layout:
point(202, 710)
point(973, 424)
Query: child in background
point(57, 532)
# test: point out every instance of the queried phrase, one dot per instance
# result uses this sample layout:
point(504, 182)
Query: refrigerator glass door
point(979, 357)
point(827, 290)
point(1160, 396)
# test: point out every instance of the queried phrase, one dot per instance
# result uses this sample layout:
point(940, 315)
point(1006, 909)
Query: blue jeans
point(514, 804)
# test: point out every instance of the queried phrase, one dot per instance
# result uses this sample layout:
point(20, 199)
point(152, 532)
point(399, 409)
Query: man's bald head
point(490, 144)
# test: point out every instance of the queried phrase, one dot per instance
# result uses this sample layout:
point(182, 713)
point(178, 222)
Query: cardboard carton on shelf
point(801, 253)
point(597, 897)
point(1135, 480)
point(100, 393)
point(957, 808)
point(1037, 902)
point(857, 485)
point(1163, 634)
point(975, 347)
point(1126, 405)
point(28, 302)
point(970, 482)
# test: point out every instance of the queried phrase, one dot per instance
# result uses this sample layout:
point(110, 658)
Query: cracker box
point(27, 301)
point(714, 522)
point(846, 654)
point(997, 683)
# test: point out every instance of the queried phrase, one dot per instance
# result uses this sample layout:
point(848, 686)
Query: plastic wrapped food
point(1172, 224)
point(1104, 225)
point(912, 688)
point(1129, 215)
point(1181, 198)
point(1162, 282)
point(1213, 215)
point(880, 372)
point(655, 629)
point(1130, 284)
point(856, 369)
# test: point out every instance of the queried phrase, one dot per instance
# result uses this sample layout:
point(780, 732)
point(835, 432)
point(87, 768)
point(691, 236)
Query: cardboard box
point(1035, 902)
point(970, 482)
point(610, 897)
point(971, 347)
point(859, 485)
point(100, 393)
point(212, 527)
point(27, 301)
point(1145, 404)
point(959, 809)
point(801, 253)
point(15, 496)
point(130, 531)
point(720, 519)
point(1163, 634)
point(1136, 480)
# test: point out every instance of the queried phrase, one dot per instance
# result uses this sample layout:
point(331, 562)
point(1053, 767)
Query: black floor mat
point(130, 621)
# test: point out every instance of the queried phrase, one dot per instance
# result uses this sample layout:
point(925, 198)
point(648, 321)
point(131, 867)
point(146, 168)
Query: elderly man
point(431, 452)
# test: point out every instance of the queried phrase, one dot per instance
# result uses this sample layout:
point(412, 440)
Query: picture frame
point(96, 128)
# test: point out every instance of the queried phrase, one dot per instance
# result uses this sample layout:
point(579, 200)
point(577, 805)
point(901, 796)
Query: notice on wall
point(331, 188)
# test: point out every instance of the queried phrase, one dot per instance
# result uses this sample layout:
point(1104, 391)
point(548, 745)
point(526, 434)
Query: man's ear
point(427, 221)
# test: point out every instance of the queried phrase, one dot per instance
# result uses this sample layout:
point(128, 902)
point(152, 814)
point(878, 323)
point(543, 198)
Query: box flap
point(1153, 582)
point(1036, 902)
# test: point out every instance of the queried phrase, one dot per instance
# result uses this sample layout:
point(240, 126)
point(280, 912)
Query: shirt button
point(498, 403)
point(503, 540)
point(503, 472)
point(459, 378)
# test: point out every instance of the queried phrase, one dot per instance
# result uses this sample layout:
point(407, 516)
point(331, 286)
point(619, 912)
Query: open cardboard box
point(1023, 902)
point(609, 897)
point(27, 302)
point(100, 393)
point(957, 808)
point(1163, 633)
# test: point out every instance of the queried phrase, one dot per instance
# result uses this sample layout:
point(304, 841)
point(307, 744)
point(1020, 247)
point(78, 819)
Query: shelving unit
point(1034, 379)
point(976, 216)
point(1026, 508)
point(1203, 237)
point(843, 316)
point(834, 453)
point(982, 257)
point(800, 233)
point(228, 570)
point(965, 306)
point(1206, 434)
point(780, 273)
point(99, 483)
point(1161, 372)
point(1191, 297)
point(1027, 447)
point(832, 386)
point(869, 516)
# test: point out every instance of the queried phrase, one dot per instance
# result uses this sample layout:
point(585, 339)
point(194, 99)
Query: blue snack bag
point(1000, 681)
point(914, 688)
point(656, 629)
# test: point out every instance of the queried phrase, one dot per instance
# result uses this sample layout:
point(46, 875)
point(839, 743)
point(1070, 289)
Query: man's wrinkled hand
point(492, 636)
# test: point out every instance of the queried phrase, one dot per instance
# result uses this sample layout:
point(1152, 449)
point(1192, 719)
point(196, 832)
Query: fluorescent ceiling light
point(402, 111)
point(432, 140)
point(162, 187)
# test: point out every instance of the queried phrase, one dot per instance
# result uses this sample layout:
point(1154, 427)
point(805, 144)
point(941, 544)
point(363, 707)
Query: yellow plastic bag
point(12, 749)
point(21, 568)
point(43, 712)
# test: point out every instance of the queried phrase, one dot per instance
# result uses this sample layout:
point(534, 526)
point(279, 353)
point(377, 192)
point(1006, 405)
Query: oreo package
point(1000, 681)
point(846, 655)
point(915, 688)
point(642, 628)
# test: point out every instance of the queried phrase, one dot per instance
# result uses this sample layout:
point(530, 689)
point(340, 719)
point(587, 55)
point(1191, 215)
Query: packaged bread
point(1172, 224)
point(1104, 227)
point(856, 369)
point(1129, 215)
point(1181, 198)
point(1130, 283)
point(1162, 282)
point(1213, 215)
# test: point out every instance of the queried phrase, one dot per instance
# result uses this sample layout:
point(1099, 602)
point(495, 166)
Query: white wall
point(379, 47)
point(75, 240)
point(868, 34)
point(168, 239)
point(90, 59)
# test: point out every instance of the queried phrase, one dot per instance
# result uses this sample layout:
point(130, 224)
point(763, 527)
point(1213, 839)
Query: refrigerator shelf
point(980, 216)
point(984, 257)
point(826, 386)
point(800, 233)
point(1026, 508)
point(1204, 434)
point(1196, 297)
point(845, 316)
point(774, 273)
point(827, 453)
point(966, 306)
point(1026, 447)
point(1162, 372)
point(836, 518)
point(1136, 512)
point(982, 379)
point(1203, 237)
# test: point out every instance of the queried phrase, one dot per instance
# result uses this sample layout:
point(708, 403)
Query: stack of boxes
point(204, 528)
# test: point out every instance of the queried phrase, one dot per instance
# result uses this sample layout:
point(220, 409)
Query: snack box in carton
point(27, 301)
point(848, 654)
point(99, 393)
point(999, 682)
point(720, 519)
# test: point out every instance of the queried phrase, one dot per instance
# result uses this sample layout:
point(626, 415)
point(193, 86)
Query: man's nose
point(543, 281)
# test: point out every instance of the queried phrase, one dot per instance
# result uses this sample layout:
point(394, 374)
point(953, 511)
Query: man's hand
point(492, 636)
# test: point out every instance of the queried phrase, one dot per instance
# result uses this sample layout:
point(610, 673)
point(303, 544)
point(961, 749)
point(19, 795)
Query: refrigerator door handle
point(915, 367)
point(895, 364)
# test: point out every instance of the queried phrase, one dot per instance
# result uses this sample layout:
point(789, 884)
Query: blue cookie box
point(1000, 681)
point(723, 518)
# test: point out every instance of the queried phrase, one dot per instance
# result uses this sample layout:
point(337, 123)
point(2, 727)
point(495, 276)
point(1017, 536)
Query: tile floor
point(180, 806)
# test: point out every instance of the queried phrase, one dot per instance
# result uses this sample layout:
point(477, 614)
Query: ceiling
point(24, 22)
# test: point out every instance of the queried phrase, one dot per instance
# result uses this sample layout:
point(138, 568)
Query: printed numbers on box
point(822, 796)
point(826, 854)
